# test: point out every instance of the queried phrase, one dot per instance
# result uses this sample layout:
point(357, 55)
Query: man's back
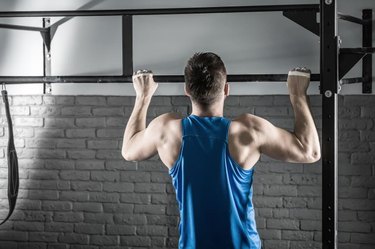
point(213, 192)
point(240, 140)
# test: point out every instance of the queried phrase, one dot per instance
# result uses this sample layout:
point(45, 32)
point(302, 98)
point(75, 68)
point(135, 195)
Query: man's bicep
point(143, 144)
point(280, 144)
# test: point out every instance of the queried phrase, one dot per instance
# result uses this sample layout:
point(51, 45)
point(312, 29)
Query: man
point(211, 158)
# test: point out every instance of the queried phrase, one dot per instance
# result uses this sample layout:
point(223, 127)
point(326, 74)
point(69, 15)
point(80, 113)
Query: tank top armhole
point(245, 171)
point(183, 127)
point(173, 169)
point(227, 130)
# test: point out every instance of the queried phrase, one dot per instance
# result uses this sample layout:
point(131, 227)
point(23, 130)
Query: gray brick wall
point(76, 192)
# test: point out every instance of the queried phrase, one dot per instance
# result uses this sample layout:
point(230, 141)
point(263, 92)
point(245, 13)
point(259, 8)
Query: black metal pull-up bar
point(173, 11)
point(303, 14)
point(128, 79)
point(47, 33)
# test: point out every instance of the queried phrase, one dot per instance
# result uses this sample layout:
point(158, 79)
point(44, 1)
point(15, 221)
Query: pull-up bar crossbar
point(128, 79)
point(173, 11)
point(158, 78)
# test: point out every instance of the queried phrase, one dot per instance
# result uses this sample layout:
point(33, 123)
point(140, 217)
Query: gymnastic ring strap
point(13, 177)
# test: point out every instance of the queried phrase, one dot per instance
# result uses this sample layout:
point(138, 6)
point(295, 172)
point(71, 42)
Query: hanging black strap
point(13, 178)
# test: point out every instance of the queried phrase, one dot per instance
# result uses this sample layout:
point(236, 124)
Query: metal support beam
point(329, 86)
point(349, 57)
point(127, 45)
point(21, 27)
point(88, 5)
point(46, 55)
point(367, 60)
point(306, 19)
point(351, 80)
point(364, 50)
point(351, 19)
point(205, 10)
point(46, 34)
point(347, 61)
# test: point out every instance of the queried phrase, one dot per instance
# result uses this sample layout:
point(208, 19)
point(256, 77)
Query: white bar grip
point(298, 73)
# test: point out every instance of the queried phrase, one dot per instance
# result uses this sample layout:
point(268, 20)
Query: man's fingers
point(142, 71)
point(142, 75)
point(301, 69)
point(299, 73)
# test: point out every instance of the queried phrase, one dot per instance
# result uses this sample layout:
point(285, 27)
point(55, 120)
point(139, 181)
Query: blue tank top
point(213, 192)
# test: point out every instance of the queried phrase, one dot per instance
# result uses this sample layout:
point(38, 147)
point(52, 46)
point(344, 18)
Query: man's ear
point(186, 91)
point(226, 89)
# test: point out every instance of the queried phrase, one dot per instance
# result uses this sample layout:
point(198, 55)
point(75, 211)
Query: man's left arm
point(139, 142)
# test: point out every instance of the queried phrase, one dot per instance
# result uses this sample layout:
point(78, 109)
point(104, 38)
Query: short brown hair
point(205, 76)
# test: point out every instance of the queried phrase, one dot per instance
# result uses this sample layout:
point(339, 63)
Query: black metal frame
point(46, 54)
point(367, 60)
point(176, 11)
point(329, 48)
point(304, 15)
point(334, 64)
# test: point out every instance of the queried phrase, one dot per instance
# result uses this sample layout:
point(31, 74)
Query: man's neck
point(210, 111)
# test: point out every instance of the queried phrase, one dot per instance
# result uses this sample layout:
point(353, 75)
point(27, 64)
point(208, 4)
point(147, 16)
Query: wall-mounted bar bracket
point(46, 35)
point(347, 61)
point(352, 19)
point(47, 88)
point(367, 60)
point(21, 27)
point(349, 57)
point(305, 18)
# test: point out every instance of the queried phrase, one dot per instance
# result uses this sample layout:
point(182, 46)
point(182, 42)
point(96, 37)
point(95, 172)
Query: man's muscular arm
point(139, 142)
point(300, 146)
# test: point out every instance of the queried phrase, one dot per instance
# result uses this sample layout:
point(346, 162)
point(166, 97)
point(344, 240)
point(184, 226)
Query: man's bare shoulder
point(169, 116)
point(164, 125)
point(251, 127)
point(249, 121)
point(166, 119)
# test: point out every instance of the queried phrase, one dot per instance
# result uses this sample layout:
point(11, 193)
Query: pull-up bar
point(279, 78)
point(128, 79)
point(173, 11)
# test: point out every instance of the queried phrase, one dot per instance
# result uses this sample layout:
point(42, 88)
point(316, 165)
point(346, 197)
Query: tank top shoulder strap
point(226, 130)
point(184, 126)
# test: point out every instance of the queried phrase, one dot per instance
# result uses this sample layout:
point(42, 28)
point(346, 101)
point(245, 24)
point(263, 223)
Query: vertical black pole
point(329, 83)
point(127, 45)
point(367, 60)
point(47, 55)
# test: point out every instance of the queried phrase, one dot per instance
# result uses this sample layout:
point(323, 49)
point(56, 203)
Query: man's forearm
point(305, 129)
point(137, 119)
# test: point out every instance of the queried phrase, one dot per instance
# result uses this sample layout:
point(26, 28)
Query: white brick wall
point(76, 192)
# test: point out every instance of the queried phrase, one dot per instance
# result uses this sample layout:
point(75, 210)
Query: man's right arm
point(300, 146)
